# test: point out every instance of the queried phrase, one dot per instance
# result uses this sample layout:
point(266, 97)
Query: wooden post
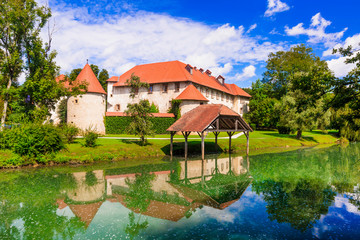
point(216, 137)
point(230, 134)
point(247, 142)
point(171, 143)
point(186, 134)
point(203, 136)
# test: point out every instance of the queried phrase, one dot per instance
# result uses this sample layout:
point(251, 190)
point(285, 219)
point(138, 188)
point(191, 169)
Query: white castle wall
point(120, 95)
point(87, 111)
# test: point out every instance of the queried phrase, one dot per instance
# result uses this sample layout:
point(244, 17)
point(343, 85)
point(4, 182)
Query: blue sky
point(229, 37)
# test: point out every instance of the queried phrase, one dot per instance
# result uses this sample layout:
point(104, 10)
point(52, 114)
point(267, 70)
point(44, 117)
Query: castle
point(167, 80)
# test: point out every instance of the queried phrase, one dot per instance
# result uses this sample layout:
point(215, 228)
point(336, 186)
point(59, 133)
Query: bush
point(284, 130)
point(90, 137)
point(69, 132)
point(33, 140)
point(118, 125)
point(253, 126)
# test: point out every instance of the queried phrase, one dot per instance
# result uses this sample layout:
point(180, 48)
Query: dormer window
point(208, 72)
point(189, 68)
point(221, 79)
point(201, 70)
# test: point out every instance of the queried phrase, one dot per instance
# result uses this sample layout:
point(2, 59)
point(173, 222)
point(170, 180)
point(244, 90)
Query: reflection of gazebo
point(207, 118)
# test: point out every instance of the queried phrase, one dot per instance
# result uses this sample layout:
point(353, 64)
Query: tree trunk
point(298, 135)
point(6, 100)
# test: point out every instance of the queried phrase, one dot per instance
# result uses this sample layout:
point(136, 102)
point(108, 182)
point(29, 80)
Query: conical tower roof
point(88, 75)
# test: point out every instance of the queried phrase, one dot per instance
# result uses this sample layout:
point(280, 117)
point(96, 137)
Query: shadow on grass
point(134, 141)
point(304, 138)
point(194, 148)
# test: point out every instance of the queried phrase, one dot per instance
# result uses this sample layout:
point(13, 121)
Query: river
point(311, 193)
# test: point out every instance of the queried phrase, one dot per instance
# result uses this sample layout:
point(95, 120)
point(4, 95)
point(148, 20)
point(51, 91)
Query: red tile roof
point(200, 118)
point(191, 93)
point(122, 114)
point(88, 76)
point(236, 90)
point(174, 71)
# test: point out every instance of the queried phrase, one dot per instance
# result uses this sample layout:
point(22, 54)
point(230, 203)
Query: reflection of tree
point(138, 199)
point(30, 199)
point(300, 204)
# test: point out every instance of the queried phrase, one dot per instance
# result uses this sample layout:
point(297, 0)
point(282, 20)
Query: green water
point(302, 194)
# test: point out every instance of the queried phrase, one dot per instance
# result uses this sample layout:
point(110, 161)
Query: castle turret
point(88, 110)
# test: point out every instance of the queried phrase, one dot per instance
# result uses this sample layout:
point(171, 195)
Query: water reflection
point(305, 193)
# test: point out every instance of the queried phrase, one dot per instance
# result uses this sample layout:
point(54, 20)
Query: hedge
point(118, 125)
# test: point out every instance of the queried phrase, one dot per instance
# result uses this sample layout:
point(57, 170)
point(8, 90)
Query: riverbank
point(116, 149)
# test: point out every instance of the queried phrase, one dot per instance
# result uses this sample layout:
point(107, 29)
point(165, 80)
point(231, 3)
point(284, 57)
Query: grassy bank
point(120, 149)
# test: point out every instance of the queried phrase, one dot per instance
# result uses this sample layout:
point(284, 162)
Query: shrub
point(284, 130)
point(69, 132)
point(90, 137)
point(33, 140)
point(253, 126)
point(118, 125)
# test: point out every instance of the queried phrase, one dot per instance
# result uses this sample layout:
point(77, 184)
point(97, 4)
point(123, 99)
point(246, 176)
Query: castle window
point(177, 87)
point(217, 95)
point(212, 94)
point(151, 88)
point(76, 101)
point(222, 96)
point(207, 92)
point(111, 95)
point(117, 107)
point(165, 88)
point(227, 98)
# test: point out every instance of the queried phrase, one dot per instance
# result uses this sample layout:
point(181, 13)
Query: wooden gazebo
point(207, 118)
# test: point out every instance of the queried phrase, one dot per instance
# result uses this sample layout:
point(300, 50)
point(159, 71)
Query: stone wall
point(87, 111)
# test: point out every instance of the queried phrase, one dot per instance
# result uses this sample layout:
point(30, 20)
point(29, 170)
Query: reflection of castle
point(170, 196)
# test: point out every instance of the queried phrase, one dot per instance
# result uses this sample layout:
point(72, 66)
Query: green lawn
point(120, 149)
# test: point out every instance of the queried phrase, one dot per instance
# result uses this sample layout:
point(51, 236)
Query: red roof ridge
point(191, 93)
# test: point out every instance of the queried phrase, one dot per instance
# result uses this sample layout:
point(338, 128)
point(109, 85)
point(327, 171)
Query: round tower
point(87, 111)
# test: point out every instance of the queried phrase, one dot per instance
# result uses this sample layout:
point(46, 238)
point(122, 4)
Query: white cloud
point(316, 31)
point(339, 67)
point(247, 73)
point(252, 27)
point(275, 6)
point(125, 40)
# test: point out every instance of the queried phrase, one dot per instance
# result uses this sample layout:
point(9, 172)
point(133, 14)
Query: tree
point(103, 76)
point(140, 116)
point(140, 112)
point(296, 115)
point(23, 51)
point(346, 101)
point(262, 111)
point(299, 79)
point(298, 68)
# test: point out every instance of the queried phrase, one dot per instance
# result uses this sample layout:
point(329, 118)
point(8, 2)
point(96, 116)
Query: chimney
point(201, 70)
point(221, 79)
point(208, 72)
point(195, 68)
point(189, 68)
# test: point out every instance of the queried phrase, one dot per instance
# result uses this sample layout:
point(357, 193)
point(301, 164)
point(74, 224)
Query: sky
point(232, 38)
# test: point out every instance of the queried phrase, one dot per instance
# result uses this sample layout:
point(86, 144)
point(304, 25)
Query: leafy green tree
point(297, 69)
point(298, 115)
point(103, 76)
point(16, 19)
point(262, 106)
point(140, 116)
point(140, 112)
point(346, 101)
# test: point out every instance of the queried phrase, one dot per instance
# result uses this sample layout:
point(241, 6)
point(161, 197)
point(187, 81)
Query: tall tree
point(298, 68)
point(24, 51)
point(139, 112)
point(299, 79)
